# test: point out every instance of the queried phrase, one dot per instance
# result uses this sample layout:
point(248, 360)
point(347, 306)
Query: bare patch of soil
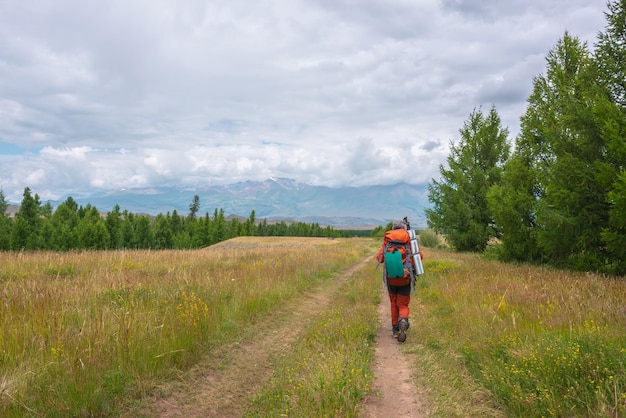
point(395, 391)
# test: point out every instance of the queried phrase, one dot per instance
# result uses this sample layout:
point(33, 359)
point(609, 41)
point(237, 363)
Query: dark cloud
point(430, 145)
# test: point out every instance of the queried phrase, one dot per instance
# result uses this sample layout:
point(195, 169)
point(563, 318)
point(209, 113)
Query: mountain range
point(276, 199)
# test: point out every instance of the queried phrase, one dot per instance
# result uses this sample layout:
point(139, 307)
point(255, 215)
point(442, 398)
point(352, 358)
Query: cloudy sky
point(135, 93)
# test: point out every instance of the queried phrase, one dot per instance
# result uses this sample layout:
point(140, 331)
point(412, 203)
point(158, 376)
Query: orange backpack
point(398, 270)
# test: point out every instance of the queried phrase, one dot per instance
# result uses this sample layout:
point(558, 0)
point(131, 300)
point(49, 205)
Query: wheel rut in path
point(222, 384)
point(395, 393)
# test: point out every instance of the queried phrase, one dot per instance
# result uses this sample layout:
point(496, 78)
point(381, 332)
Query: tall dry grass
point(80, 331)
point(500, 339)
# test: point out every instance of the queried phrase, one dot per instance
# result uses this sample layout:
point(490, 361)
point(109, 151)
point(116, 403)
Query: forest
point(38, 226)
point(557, 194)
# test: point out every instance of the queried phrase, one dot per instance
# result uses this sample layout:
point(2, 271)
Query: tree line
point(557, 194)
point(38, 226)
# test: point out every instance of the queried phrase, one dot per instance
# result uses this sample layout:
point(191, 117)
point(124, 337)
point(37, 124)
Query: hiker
point(399, 288)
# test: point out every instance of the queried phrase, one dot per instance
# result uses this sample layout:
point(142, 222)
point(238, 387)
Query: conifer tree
point(144, 236)
point(513, 206)
point(610, 113)
point(128, 232)
point(63, 224)
point(460, 209)
point(563, 146)
point(194, 207)
point(162, 231)
point(92, 232)
point(219, 226)
point(25, 232)
point(113, 224)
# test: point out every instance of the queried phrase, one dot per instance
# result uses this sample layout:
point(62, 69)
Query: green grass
point(513, 340)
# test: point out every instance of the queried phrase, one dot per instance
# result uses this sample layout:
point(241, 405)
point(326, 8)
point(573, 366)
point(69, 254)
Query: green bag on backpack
point(394, 264)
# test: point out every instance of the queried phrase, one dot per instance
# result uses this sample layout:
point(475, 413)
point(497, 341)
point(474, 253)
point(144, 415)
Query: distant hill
point(277, 199)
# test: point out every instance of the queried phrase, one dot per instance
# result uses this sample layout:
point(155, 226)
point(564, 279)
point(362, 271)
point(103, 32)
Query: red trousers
point(399, 298)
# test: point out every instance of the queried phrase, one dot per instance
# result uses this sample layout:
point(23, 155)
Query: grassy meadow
point(85, 333)
point(81, 332)
point(494, 339)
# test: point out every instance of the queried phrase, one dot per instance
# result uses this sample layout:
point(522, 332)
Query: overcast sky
point(135, 93)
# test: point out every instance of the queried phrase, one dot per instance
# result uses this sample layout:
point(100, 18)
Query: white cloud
point(139, 93)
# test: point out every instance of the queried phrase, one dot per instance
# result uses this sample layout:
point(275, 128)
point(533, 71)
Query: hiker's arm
point(379, 256)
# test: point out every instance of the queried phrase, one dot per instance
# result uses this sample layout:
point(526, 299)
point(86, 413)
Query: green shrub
point(429, 239)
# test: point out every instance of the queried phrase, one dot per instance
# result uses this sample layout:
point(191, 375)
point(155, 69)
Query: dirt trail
point(222, 385)
point(397, 395)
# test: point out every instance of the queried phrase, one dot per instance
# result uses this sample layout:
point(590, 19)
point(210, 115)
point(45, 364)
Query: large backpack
point(398, 270)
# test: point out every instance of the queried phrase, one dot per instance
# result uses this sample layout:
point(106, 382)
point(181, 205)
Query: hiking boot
point(403, 324)
point(395, 330)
